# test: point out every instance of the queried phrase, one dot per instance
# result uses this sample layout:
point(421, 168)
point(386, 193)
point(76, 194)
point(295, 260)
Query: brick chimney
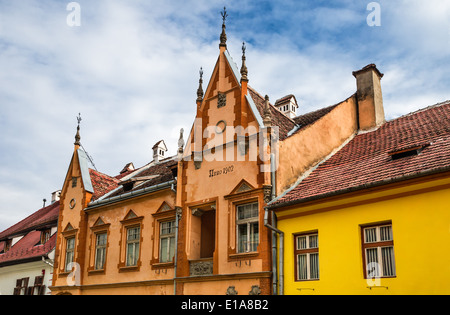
point(369, 96)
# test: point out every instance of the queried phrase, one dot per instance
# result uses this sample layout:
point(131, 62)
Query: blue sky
point(131, 70)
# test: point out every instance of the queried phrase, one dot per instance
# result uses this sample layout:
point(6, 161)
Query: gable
point(242, 187)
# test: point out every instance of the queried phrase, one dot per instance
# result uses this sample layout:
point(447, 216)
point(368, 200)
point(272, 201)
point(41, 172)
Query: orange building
point(195, 223)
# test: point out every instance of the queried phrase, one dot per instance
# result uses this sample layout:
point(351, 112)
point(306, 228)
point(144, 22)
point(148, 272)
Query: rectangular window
point(133, 239)
point(70, 252)
point(247, 224)
point(306, 253)
point(378, 251)
point(167, 241)
point(100, 251)
point(45, 236)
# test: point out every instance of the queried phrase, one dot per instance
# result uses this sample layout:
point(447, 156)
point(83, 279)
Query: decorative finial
point(267, 120)
point(200, 88)
point(223, 36)
point(224, 15)
point(244, 71)
point(181, 141)
point(77, 136)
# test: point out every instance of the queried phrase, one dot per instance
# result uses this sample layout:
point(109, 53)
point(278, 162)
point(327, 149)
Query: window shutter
point(38, 280)
point(42, 290)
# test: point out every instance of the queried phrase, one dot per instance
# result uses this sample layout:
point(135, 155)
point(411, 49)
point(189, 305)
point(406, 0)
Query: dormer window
point(7, 246)
point(45, 236)
point(407, 151)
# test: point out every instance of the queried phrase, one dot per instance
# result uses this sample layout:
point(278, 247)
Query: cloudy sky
point(131, 69)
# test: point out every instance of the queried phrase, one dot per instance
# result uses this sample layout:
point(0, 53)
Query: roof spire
point(200, 88)
point(267, 117)
point(223, 36)
point(77, 136)
point(244, 71)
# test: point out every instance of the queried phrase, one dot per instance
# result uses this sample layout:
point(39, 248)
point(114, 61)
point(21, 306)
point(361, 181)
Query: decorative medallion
point(220, 127)
point(255, 290)
point(72, 203)
point(232, 290)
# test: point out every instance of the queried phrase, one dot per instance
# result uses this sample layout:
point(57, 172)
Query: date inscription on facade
point(222, 171)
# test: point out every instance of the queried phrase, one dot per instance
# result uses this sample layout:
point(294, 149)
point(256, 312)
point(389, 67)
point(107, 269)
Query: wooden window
point(7, 246)
point(247, 227)
point(306, 253)
point(21, 286)
point(100, 250)
point(70, 253)
point(378, 251)
point(45, 236)
point(167, 241)
point(133, 241)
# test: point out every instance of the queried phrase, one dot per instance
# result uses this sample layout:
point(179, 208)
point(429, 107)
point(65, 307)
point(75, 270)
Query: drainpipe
point(281, 254)
point(274, 232)
point(177, 220)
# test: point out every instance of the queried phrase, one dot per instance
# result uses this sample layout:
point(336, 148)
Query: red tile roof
point(28, 246)
point(47, 215)
point(367, 159)
point(102, 183)
point(159, 173)
point(284, 123)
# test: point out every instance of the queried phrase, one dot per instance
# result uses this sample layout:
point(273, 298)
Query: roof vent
point(407, 151)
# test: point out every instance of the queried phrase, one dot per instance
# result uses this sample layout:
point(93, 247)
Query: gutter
point(177, 220)
point(362, 187)
point(274, 237)
point(131, 194)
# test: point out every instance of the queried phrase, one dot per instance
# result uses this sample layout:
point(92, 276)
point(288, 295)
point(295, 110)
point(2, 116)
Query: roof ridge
point(447, 102)
point(45, 211)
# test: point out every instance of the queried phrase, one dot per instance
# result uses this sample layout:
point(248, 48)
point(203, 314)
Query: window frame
point(66, 252)
point(378, 245)
point(171, 240)
point(133, 242)
point(103, 248)
point(131, 221)
point(307, 252)
point(249, 223)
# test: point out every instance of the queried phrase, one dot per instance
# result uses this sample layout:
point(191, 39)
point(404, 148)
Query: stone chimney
point(369, 96)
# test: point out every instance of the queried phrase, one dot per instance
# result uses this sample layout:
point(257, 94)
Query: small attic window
point(408, 151)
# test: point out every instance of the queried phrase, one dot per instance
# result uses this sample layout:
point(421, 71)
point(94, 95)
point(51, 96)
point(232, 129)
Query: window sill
point(96, 272)
point(243, 255)
point(160, 265)
point(129, 269)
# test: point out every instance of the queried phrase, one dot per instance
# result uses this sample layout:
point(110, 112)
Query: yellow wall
point(421, 233)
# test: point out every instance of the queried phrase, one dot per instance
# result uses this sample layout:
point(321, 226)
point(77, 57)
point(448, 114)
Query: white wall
point(9, 275)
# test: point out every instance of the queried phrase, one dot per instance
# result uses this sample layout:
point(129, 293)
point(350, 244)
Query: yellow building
point(373, 217)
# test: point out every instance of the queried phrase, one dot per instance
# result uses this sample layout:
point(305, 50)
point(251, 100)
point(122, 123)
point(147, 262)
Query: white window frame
point(102, 249)
point(307, 254)
point(170, 237)
point(135, 244)
point(70, 252)
point(379, 266)
point(250, 224)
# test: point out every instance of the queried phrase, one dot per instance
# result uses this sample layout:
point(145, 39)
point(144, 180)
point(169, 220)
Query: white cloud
point(131, 69)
